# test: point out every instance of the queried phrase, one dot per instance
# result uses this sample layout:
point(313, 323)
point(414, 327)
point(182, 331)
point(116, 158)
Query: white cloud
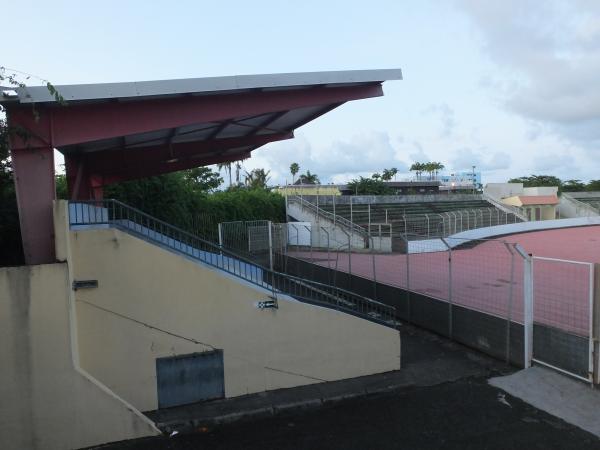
point(339, 161)
point(465, 158)
point(548, 59)
point(446, 116)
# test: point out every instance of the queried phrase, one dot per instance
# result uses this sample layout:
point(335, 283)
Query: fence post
point(596, 324)
point(220, 236)
point(270, 225)
point(527, 305)
point(333, 202)
point(374, 275)
point(328, 257)
point(449, 287)
point(510, 300)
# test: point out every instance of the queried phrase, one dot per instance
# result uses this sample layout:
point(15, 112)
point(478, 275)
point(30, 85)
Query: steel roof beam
point(79, 123)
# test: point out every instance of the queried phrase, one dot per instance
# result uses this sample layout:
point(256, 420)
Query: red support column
point(35, 187)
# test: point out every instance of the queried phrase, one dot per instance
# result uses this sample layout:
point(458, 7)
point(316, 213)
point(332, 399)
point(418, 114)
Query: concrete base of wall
point(48, 402)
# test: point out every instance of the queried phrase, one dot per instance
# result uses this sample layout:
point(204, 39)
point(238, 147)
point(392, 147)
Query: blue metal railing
point(112, 213)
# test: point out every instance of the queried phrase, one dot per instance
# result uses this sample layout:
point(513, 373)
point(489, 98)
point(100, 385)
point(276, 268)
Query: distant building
point(398, 188)
point(309, 189)
point(403, 187)
point(460, 180)
point(537, 203)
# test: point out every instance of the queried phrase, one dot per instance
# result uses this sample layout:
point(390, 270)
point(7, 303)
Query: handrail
point(507, 208)
point(579, 204)
point(134, 221)
point(328, 215)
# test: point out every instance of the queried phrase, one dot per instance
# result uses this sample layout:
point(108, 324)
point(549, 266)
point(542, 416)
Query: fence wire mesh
point(563, 315)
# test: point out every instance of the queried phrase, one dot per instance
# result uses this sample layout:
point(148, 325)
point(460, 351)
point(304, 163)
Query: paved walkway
point(440, 399)
point(573, 401)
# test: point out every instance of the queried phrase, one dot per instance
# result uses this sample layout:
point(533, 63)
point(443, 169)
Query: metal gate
point(190, 378)
point(563, 297)
point(261, 241)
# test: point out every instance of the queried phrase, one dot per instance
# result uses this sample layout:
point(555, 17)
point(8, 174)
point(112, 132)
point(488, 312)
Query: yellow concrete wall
point(548, 212)
point(308, 190)
point(46, 400)
point(152, 303)
point(513, 201)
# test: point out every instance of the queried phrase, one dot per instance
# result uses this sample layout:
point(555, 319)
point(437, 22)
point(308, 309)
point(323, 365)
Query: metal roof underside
point(260, 125)
point(225, 140)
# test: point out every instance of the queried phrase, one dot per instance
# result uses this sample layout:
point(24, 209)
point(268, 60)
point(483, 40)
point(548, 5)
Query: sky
point(510, 86)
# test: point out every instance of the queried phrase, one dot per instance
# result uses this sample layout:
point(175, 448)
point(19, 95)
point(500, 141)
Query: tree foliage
point(257, 179)
point(388, 174)
point(563, 186)
point(369, 186)
point(294, 169)
point(309, 178)
point(432, 168)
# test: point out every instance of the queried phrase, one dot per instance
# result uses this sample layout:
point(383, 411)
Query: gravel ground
point(466, 414)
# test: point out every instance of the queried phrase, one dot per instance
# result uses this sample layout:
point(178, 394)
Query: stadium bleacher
point(424, 219)
point(397, 211)
point(594, 202)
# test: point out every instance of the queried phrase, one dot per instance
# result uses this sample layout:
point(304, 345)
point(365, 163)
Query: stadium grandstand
point(589, 198)
point(420, 217)
point(138, 314)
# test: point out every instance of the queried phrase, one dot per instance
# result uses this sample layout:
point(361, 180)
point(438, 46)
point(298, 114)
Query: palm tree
point(294, 168)
point(418, 169)
point(238, 168)
point(388, 174)
point(257, 179)
point(437, 167)
point(227, 167)
point(309, 178)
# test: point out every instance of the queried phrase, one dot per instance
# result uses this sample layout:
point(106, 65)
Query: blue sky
point(510, 86)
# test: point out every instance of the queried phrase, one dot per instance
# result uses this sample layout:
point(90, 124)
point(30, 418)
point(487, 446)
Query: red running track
point(482, 276)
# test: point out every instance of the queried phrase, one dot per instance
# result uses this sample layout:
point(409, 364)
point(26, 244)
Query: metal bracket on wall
point(268, 304)
point(85, 284)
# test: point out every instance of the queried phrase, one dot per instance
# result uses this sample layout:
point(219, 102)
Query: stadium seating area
point(423, 219)
point(594, 202)
point(388, 212)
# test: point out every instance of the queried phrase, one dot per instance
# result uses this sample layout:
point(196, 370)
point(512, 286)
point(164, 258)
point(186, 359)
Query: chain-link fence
point(563, 299)
point(489, 294)
point(419, 219)
point(261, 241)
point(473, 290)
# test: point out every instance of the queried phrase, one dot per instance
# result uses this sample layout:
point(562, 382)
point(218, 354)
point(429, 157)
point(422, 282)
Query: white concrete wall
point(521, 227)
point(541, 190)
point(338, 234)
point(152, 303)
point(46, 400)
point(571, 207)
point(503, 190)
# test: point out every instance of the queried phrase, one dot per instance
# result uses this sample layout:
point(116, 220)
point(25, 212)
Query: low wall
point(48, 402)
point(570, 206)
point(521, 227)
point(375, 199)
point(490, 334)
point(151, 303)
